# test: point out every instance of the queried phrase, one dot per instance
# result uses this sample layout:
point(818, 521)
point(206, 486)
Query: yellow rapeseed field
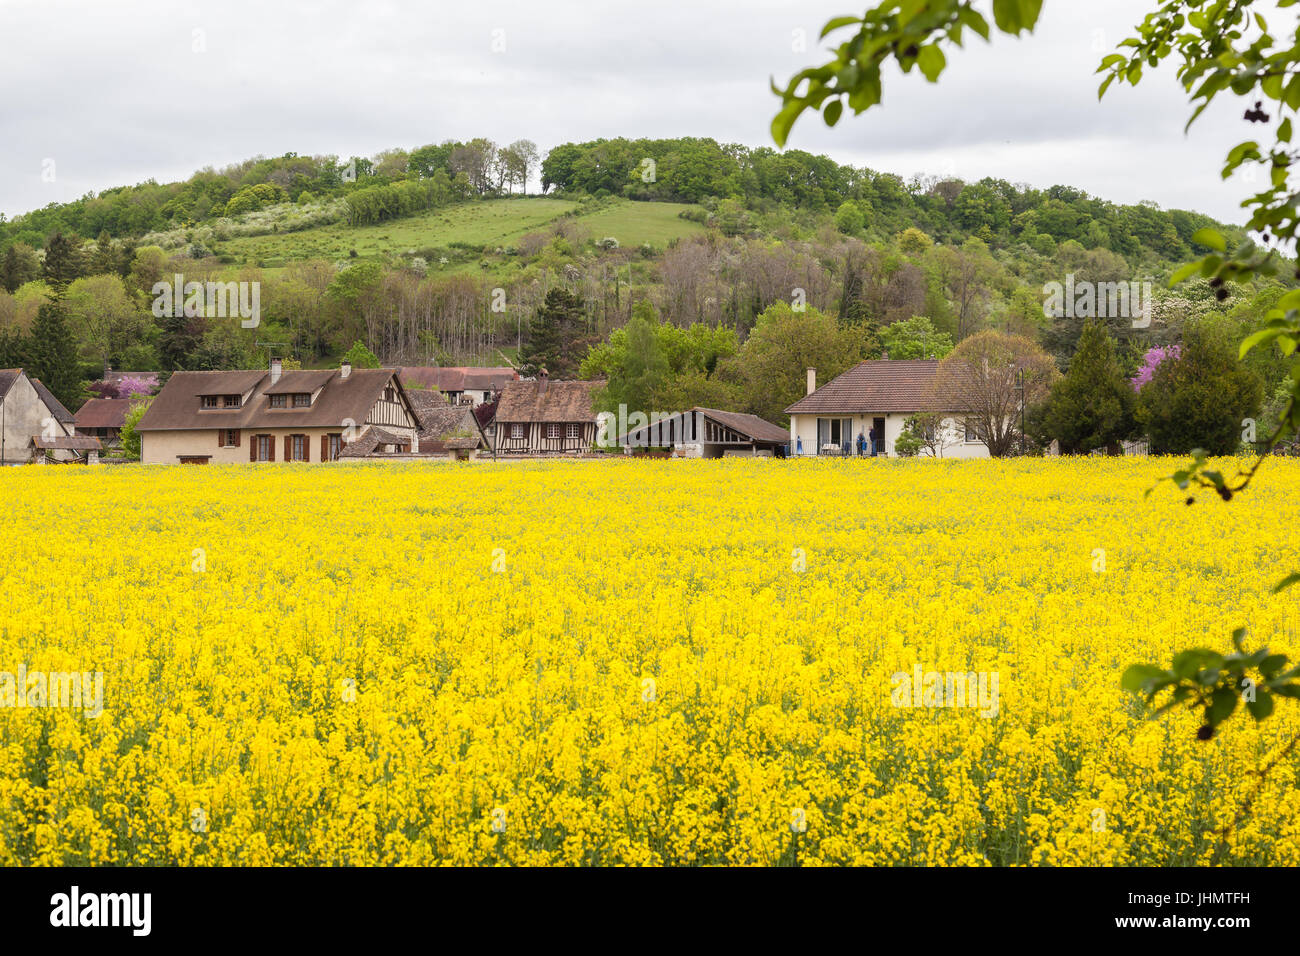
point(633, 662)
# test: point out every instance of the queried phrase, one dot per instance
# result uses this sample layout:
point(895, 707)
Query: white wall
point(805, 427)
point(25, 417)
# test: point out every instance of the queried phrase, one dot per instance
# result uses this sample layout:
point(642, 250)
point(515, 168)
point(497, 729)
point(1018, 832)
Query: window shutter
point(288, 448)
point(252, 449)
point(221, 438)
point(324, 447)
point(306, 448)
point(237, 437)
point(270, 446)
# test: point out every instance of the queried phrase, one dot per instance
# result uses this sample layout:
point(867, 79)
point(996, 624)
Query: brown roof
point(753, 427)
point(227, 383)
point(76, 443)
point(341, 401)
point(298, 381)
point(438, 419)
point(369, 440)
point(103, 413)
point(547, 401)
point(884, 386)
point(759, 429)
point(53, 404)
point(459, 378)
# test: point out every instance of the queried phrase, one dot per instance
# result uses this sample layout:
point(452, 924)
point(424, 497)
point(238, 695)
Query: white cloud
point(117, 94)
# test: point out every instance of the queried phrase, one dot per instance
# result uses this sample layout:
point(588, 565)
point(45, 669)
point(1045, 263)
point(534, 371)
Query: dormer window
point(232, 401)
point(207, 401)
point(301, 399)
point(278, 401)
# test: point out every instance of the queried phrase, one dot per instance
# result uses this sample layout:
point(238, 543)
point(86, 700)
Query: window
point(973, 431)
point(232, 401)
point(208, 401)
point(263, 447)
point(487, 396)
point(552, 431)
point(833, 434)
point(298, 448)
point(229, 438)
point(516, 431)
point(333, 447)
point(278, 401)
point(390, 394)
point(301, 400)
point(573, 430)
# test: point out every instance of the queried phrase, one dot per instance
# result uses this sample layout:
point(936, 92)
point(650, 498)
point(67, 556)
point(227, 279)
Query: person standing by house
point(862, 444)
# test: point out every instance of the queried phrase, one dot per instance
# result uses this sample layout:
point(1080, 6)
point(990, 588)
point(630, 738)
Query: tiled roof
point(341, 400)
point(883, 386)
point(759, 429)
point(547, 401)
point(103, 413)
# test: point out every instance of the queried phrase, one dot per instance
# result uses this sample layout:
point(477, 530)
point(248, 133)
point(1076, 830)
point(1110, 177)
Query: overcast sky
point(117, 93)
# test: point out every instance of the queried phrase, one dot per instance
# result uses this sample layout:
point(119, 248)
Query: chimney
point(884, 356)
point(543, 379)
point(345, 370)
point(275, 370)
point(812, 380)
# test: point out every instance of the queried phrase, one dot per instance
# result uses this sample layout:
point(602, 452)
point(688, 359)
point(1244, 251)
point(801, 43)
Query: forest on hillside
point(920, 265)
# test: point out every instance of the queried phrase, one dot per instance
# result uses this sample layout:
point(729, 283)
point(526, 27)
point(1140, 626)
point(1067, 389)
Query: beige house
point(306, 415)
point(34, 425)
point(862, 412)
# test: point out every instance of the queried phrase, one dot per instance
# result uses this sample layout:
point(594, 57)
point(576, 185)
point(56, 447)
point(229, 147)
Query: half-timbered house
point(543, 417)
point(264, 416)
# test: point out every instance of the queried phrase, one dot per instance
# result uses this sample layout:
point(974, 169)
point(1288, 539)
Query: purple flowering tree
point(1150, 362)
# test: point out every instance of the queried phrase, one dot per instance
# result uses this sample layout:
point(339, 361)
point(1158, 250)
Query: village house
point(460, 384)
point(709, 433)
point(103, 418)
point(265, 416)
point(863, 412)
point(446, 430)
point(543, 417)
point(35, 426)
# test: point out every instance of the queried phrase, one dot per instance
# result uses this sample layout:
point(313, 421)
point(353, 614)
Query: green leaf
point(832, 112)
point(1139, 675)
point(1261, 706)
point(931, 61)
point(1258, 338)
point(1211, 238)
point(1184, 272)
point(835, 23)
point(1222, 703)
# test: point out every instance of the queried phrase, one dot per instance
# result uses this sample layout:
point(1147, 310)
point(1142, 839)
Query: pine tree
point(52, 355)
point(1093, 405)
point(558, 337)
point(18, 265)
point(179, 339)
point(63, 261)
point(105, 258)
